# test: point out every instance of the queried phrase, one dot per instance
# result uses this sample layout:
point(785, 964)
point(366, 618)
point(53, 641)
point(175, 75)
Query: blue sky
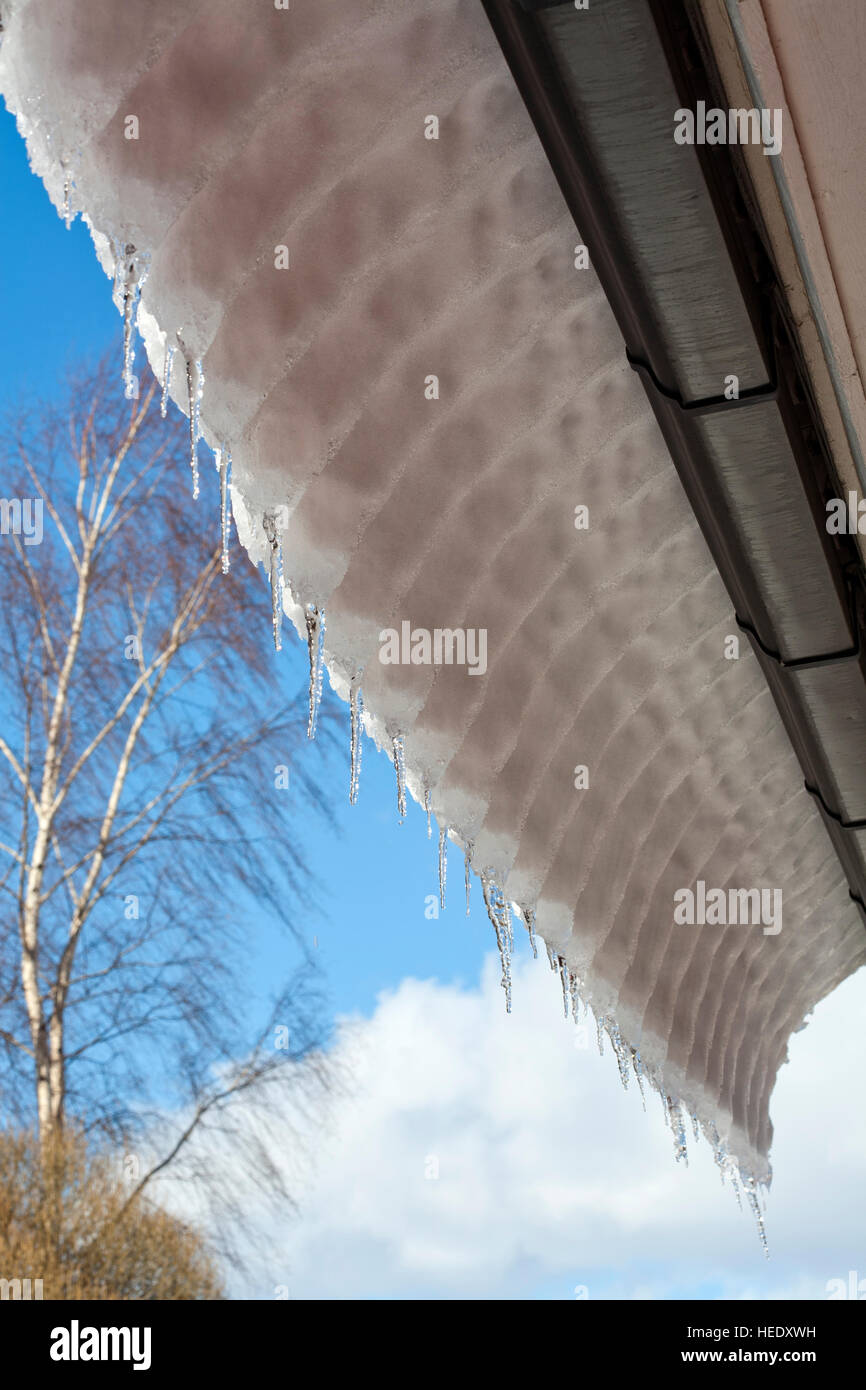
point(551, 1178)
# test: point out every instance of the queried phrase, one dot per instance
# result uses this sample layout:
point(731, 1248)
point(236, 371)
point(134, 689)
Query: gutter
point(674, 235)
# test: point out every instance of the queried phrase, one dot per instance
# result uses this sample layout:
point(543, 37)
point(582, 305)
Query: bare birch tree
point(145, 823)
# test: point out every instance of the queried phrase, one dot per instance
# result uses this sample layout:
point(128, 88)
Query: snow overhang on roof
point(343, 225)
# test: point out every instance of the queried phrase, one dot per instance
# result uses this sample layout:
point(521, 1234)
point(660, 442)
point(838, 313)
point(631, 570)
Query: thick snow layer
point(208, 135)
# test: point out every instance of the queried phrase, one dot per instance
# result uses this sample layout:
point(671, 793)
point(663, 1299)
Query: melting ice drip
point(442, 846)
point(68, 184)
point(565, 981)
point(195, 389)
point(356, 709)
point(443, 863)
point(528, 915)
point(467, 865)
point(676, 1121)
point(275, 567)
point(499, 912)
point(753, 1198)
point(170, 350)
point(400, 770)
point(315, 621)
point(728, 1168)
point(637, 1067)
point(224, 463)
point(130, 273)
point(620, 1052)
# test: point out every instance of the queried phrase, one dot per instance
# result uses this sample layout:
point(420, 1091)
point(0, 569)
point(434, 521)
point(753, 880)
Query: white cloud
point(550, 1176)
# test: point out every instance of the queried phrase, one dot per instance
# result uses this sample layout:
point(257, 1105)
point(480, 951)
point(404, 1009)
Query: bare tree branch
point(145, 722)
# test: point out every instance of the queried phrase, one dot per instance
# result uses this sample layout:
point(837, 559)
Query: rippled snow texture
point(409, 258)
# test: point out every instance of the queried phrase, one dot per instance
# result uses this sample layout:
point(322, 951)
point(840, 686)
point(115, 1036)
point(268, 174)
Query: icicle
point(599, 1033)
point(269, 525)
point(619, 1051)
point(67, 201)
point(752, 1196)
point(400, 769)
point(356, 707)
point(218, 464)
point(315, 620)
point(170, 350)
point(637, 1067)
point(678, 1129)
point(199, 392)
point(118, 275)
point(129, 278)
point(696, 1128)
point(552, 958)
point(443, 863)
point(574, 991)
point(127, 305)
point(529, 919)
point(720, 1153)
point(496, 906)
point(195, 394)
point(467, 858)
point(428, 808)
point(563, 978)
point(224, 463)
point(728, 1168)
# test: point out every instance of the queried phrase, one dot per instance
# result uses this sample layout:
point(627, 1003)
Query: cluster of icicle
point(500, 910)
point(131, 269)
point(130, 275)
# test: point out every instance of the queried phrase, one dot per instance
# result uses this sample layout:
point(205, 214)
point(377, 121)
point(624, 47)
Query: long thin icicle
point(678, 1129)
point(574, 991)
point(224, 463)
point(443, 863)
point(67, 201)
point(269, 525)
point(497, 908)
point(720, 1152)
point(467, 864)
point(132, 277)
point(529, 919)
point(619, 1051)
point(400, 770)
point(637, 1066)
point(508, 925)
point(218, 463)
point(428, 807)
point(565, 981)
point(356, 708)
point(170, 350)
point(128, 307)
point(195, 389)
point(754, 1202)
point(315, 620)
